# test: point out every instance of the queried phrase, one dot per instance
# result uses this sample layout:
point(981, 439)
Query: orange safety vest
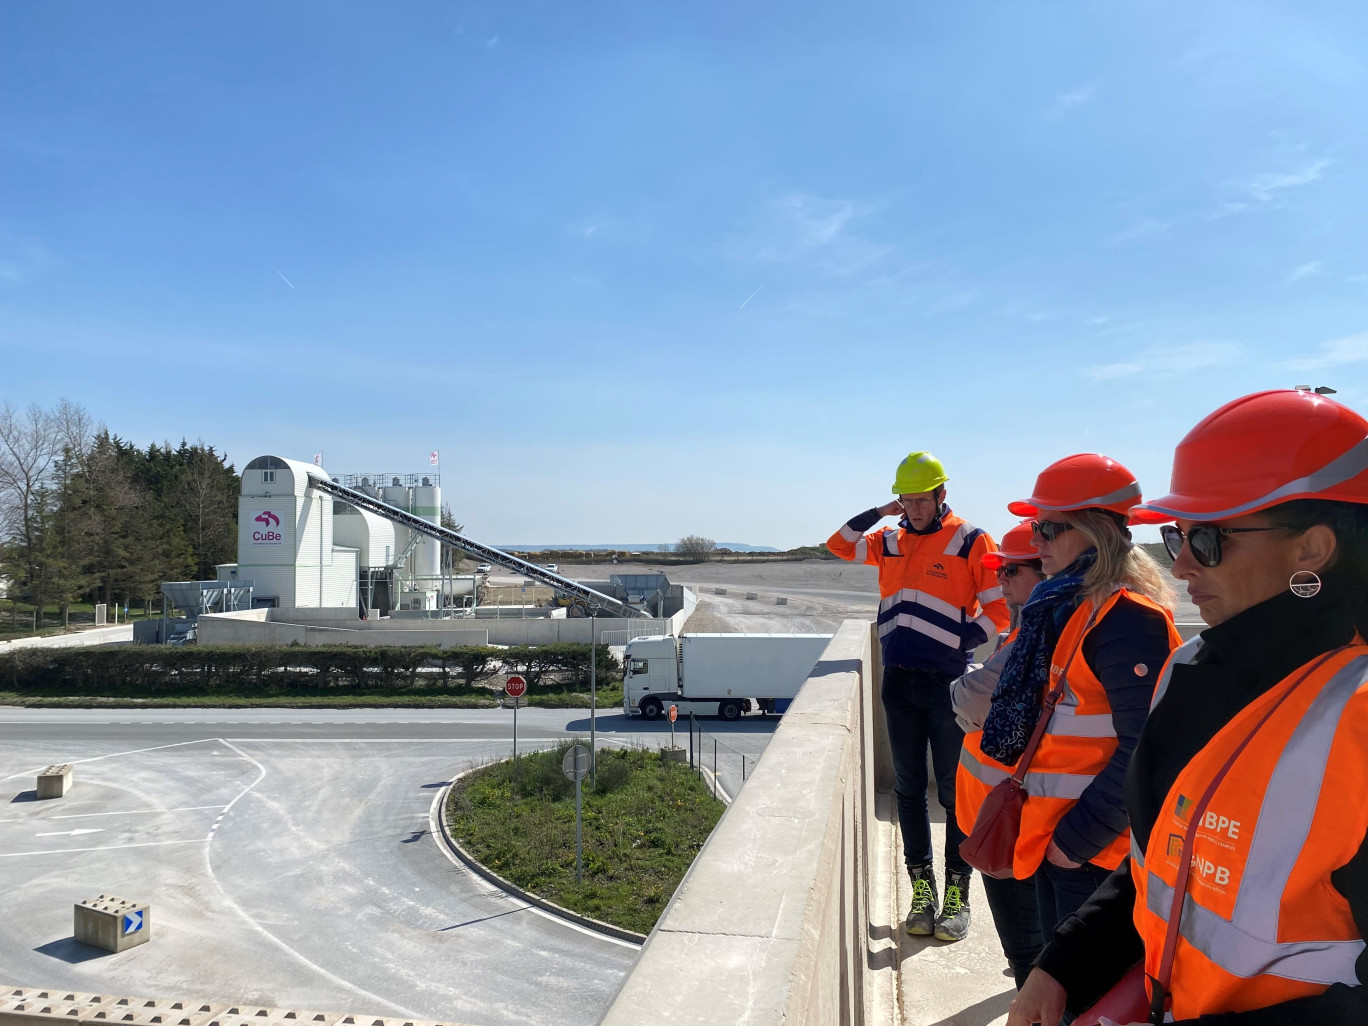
point(1261, 922)
point(975, 769)
point(1078, 741)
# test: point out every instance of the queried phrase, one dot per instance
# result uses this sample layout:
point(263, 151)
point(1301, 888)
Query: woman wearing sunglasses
point(1248, 791)
point(1093, 638)
point(1015, 914)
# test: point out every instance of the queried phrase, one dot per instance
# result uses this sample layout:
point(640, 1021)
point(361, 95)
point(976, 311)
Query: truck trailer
point(717, 674)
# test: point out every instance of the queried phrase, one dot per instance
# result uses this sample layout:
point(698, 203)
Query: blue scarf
point(1020, 690)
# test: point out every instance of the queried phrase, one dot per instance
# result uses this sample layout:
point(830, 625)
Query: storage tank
point(397, 494)
point(426, 502)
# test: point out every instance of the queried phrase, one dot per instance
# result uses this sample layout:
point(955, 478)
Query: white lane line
point(113, 755)
point(71, 833)
point(346, 985)
point(435, 830)
point(107, 847)
point(381, 740)
point(132, 812)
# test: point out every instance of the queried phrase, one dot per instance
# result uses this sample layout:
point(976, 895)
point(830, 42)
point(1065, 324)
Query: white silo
point(397, 494)
point(426, 502)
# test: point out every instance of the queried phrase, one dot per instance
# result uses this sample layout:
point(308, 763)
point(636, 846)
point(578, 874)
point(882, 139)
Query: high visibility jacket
point(938, 602)
point(975, 769)
point(1261, 922)
point(1078, 742)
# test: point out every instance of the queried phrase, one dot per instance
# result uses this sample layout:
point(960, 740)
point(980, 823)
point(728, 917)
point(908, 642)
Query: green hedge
point(244, 668)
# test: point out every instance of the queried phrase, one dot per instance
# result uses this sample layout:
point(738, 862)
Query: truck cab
point(650, 676)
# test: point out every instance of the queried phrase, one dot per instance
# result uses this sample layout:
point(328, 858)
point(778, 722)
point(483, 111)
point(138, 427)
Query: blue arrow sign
point(133, 922)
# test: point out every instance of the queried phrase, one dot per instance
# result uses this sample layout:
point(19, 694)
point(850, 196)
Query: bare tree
point(695, 547)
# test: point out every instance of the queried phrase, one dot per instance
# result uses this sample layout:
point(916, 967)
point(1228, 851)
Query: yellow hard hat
point(920, 472)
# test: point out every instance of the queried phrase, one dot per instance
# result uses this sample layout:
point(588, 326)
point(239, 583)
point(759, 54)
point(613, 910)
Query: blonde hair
point(1120, 563)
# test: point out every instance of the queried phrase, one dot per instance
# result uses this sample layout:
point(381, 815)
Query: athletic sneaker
point(953, 922)
point(921, 917)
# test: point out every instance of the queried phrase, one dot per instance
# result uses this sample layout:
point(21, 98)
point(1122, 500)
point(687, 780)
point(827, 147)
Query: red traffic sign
point(516, 686)
point(674, 713)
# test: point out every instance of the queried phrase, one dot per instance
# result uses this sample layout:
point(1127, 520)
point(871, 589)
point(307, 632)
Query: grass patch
point(643, 824)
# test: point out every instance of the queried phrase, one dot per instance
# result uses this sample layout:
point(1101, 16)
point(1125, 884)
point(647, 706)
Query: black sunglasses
point(1204, 539)
point(1010, 569)
point(1050, 529)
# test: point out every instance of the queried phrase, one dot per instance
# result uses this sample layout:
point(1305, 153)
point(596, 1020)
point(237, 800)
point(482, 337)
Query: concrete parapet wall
point(120, 635)
point(772, 922)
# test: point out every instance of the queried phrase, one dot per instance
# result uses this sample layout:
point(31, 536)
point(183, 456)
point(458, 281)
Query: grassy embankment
point(643, 824)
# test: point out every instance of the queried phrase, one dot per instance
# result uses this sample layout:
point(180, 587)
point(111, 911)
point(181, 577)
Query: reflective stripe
point(1337, 471)
point(1067, 723)
point(989, 775)
point(921, 598)
point(991, 595)
point(1131, 491)
point(861, 551)
point(1241, 946)
point(1226, 945)
point(986, 623)
point(1138, 854)
point(957, 539)
point(1043, 785)
point(850, 534)
point(1184, 653)
point(916, 623)
point(890, 540)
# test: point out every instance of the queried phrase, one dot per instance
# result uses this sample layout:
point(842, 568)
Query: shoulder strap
point(1047, 707)
point(1159, 985)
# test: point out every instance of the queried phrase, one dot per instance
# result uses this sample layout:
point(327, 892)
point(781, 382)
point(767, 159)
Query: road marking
point(107, 847)
point(435, 830)
point(132, 812)
point(113, 755)
point(71, 833)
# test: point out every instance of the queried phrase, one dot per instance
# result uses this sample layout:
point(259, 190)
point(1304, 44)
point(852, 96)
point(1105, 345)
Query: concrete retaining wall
point(120, 635)
point(772, 923)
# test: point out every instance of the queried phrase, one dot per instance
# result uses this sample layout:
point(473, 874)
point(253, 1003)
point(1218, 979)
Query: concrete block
point(26, 1006)
point(114, 924)
point(781, 601)
point(719, 591)
point(752, 595)
point(55, 781)
point(152, 1012)
point(676, 753)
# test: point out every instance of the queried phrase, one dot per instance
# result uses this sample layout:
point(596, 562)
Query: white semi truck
point(717, 674)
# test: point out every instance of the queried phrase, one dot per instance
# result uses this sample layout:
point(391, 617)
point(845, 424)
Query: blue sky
point(641, 270)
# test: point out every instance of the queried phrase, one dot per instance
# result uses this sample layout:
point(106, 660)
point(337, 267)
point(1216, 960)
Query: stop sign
point(516, 686)
point(674, 712)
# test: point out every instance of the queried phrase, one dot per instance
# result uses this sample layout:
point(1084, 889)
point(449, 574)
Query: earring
point(1304, 584)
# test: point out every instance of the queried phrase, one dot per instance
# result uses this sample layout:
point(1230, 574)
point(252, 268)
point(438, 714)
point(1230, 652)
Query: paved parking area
point(289, 860)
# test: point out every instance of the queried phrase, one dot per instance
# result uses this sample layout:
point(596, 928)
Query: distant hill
point(632, 547)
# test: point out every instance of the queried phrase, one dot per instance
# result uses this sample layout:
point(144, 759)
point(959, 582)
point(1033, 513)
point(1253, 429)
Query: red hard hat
point(1087, 480)
point(1018, 546)
point(1263, 449)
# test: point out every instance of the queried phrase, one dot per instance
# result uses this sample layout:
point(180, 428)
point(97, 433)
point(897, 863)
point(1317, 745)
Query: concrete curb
point(480, 869)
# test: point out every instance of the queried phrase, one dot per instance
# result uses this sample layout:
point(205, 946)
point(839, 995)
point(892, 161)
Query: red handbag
point(1127, 1001)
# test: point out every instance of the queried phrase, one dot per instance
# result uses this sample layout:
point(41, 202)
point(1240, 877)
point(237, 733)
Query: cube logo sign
point(268, 532)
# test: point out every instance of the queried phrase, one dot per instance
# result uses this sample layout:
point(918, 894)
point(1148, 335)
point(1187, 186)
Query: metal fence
point(617, 639)
point(716, 762)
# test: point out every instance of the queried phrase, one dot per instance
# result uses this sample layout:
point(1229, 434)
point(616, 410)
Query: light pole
point(593, 702)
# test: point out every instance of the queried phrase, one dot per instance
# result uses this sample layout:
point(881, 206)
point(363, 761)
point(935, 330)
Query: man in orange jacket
point(938, 603)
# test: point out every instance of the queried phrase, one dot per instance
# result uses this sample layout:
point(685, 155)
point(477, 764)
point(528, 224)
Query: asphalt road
point(289, 860)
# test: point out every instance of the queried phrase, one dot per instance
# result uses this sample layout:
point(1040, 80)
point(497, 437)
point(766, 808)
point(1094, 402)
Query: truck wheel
point(650, 709)
point(730, 709)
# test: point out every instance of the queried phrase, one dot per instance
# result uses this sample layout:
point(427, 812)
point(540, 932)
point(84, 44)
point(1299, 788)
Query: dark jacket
point(1239, 660)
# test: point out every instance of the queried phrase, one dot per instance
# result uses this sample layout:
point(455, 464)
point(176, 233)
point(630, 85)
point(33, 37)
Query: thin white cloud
point(1112, 371)
point(1066, 102)
point(492, 42)
point(805, 229)
point(1265, 188)
point(1141, 231)
point(1335, 353)
point(1168, 360)
point(1312, 268)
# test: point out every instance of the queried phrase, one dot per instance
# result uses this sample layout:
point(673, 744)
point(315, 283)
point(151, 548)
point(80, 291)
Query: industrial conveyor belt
point(596, 601)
